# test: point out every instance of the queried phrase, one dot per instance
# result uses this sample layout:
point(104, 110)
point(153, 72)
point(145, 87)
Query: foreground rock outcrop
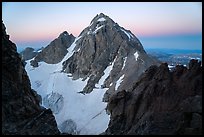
point(161, 102)
point(21, 112)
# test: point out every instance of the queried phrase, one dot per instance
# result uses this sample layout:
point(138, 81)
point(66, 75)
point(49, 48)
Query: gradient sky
point(156, 24)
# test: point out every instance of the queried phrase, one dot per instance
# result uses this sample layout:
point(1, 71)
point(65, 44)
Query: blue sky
point(157, 24)
point(188, 41)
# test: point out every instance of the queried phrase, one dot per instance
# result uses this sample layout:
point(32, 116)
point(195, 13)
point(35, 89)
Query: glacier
point(87, 111)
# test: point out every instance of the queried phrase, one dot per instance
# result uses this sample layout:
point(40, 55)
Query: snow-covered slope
point(86, 111)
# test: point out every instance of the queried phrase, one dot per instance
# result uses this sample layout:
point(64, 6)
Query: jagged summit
point(102, 22)
point(102, 15)
point(101, 18)
point(65, 33)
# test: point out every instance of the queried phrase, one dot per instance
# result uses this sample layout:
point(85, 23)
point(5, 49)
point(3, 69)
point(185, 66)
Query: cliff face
point(161, 102)
point(55, 51)
point(21, 112)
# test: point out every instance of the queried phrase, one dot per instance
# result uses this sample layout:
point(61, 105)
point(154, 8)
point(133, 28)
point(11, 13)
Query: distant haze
point(157, 25)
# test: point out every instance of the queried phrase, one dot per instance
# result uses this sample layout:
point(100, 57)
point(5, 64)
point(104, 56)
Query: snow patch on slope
point(132, 35)
point(95, 31)
point(119, 81)
point(71, 49)
point(101, 19)
point(128, 34)
point(171, 67)
point(124, 63)
point(136, 55)
point(39, 50)
point(97, 28)
point(106, 74)
point(90, 24)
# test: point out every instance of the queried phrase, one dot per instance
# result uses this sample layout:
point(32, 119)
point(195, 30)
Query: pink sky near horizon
point(38, 21)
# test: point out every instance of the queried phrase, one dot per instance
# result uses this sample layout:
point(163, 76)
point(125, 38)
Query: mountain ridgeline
point(106, 74)
point(101, 45)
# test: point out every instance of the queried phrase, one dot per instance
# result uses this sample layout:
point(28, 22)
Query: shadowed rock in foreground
point(21, 112)
point(161, 102)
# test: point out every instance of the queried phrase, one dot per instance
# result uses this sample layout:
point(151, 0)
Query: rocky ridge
point(161, 102)
point(21, 112)
point(55, 51)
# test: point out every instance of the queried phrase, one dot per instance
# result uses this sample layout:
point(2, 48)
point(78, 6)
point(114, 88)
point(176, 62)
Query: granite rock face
point(161, 102)
point(102, 44)
point(21, 112)
point(55, 51)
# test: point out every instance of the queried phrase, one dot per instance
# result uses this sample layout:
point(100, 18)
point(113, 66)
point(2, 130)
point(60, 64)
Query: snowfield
point(87, 111)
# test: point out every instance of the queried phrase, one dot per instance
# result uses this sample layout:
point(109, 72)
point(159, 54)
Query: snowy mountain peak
point(102, 22)
point(104, 59)
point(99, 22)
point(104, 44)
point(100, 17)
